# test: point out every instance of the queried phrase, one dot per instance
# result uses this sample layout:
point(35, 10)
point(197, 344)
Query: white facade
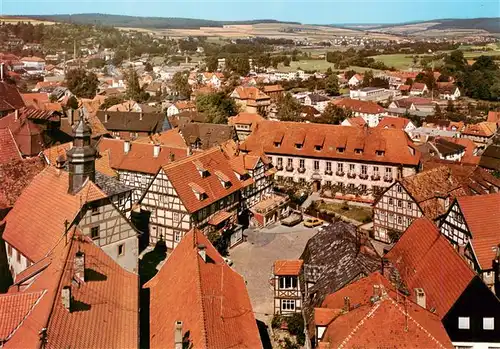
point(451, 97)
point(172, 110)
point(373, 94)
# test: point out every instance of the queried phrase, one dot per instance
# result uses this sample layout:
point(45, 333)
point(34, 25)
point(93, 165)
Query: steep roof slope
point(207, 296)
point(10, 98)
point(8, 147)
point(425, 259)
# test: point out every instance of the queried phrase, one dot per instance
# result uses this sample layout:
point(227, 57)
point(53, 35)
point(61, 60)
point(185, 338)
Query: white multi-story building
point(371, 112)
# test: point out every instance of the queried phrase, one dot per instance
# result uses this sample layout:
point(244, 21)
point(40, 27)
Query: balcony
point(340, 173)
point(301, 169)
point(351, 175)
point(363, 176)
point(328, 172)
point(289, 168)
point(375, 177)
point(279, 167)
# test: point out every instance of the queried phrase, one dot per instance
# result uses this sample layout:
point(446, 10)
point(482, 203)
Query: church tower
point(81, 157)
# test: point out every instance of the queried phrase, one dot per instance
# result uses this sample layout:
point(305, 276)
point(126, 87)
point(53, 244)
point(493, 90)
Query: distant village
point(186, 206)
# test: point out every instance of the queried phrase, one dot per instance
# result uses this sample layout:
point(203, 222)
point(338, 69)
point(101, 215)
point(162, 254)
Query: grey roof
point(315, 97)
point(404, 111)
point(334, 258)
point(110, 185)
point(207, 135)
point(490, 158)
point(131, 121)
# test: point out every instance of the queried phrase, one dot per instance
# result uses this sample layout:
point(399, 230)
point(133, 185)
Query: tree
point(148, 67)
point(450, 108)
point(286, 61)
point(329, 72)
point(349, 74)
point(367, 78)
point(437, 111)
point(96, 63)
point(332, 85)
point(111, 101)
point(81, 83)
point(217, 107)
point(134, 90)
point(288, 108)
point(72, 103)
point(180, 84)
point(119, 57)
point(334, 114)
point(409, 81)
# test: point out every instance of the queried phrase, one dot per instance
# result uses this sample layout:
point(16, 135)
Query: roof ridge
point(200, 291)
point(191, 158)
point(360, 323)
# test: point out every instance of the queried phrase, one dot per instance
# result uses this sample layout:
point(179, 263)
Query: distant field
point(25, 20)
point(398, 61)
point(319, 65)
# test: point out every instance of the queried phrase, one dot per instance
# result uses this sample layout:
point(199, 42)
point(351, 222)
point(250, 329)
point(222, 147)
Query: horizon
point(318, 12)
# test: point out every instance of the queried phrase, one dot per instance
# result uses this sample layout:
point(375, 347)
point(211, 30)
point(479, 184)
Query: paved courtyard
point(254, 260)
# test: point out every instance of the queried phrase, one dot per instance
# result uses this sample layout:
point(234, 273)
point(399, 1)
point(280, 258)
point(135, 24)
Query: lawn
point(358, 213)
point(310, 64)
point(400, 61)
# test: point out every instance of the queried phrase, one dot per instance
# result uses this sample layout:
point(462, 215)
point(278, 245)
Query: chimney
point(156, 150)
point(71, 117)
point(202, 252)
point(347, 304)
point(105, 117)
point(189, 151)
point(420, 297)
point(126, 147)
point(1, 72)
point(66, 297)
point(172, 157)
point(79, 267)
point(16, 115)
point(140, 116)
point(376, 294)
point(178, 335)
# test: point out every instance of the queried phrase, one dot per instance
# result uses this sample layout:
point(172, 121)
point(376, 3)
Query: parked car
point(293, 218)
point(312, 222)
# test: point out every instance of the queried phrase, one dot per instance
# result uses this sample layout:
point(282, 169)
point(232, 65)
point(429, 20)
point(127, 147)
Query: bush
point(276, 321)
point(345, 206)
point(295, 324)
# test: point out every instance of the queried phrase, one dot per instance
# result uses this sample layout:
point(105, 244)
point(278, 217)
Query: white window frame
point(288, 304)
point(287, 282)
point(328, 165)
point(177, 236)
point(463, 323)
point(316, 164)
point(488, 323)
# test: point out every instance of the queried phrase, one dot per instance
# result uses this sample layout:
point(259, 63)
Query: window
point(288, 282)
point(18, 257)
point(9, 250)
point(328, 166)
point(463, 323)
point(352, 167)
point(391, 201)
point(358, 151)
point(121, 250)
point(289, 163)
point(175, 217)
point(280, 161)
point(375, 170)
point(364, 169)
point(177, 236)
point(318, 147)
point(328, 183)
point(94, 232)
point(400, 203)
point(488, 323)
point(388, 171)
point(287, 304)
point(95, 210)
point(340, 167)
point(410, 206)
point(340, 150)
point(391, 217)
point(380, 152)
point(302, 163)
point(399, 189)
point(399, 220)
point(316, 164)
point(277, 144)
point(302, 180)
point(363, 187)
point(298, 145)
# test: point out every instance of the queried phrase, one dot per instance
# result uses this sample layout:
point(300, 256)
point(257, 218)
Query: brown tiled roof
point(490, 158)
point(482, 216)
point(288, 267)
point(407, 102)
point(10, 98)
point(245, 118)
point(105, 306)
point(273, 88)
point(395, 143)
point(391, 122)
point(185, 105)
point(483, 129)
point(392, 321)
point(252, 93)
point(208, 297)
point(404, 87)
point(170, 138)
point(32, 59)
point(355, 105)
point(16, 175)
point(35, 100)
point(470, 147)
point(446, 87)
point(131, 121)
point(37, 221)
point(418, 86)
point(27, 134)
point(209, 135)
point(8, 147)
point(425, 259)
point(182, 174)
point(140, 157)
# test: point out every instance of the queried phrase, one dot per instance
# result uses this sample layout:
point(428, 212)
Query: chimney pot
point(178, 335)
point(347, 304)
point(16, 114)
point(202, 252)
point(126, 147)
point(80, 266)
point(420, 297)
point(66, 297)
point(156, 150)
point(105, 117)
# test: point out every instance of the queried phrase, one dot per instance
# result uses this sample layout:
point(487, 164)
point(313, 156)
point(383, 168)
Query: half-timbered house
point(201, 191)
point(287, 289)
point(57, 200)
point(473, 228)
point(429, 194)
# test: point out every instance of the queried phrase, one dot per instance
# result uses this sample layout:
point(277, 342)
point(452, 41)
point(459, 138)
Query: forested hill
point(145, 22)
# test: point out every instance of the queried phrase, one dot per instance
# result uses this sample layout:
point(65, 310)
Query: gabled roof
point(140, 157)
point(483, 129)
point(252, 93)
point(104, 307)
point(357, 106)
point(392, 122)
point(316, 97)
point(208, 135)
point(425, 259)
point(208, 297)
point(170, 138)
point(273, 88)
point(27, 134)
point(493, 116)
point(288, 267)
point(42, 208)
point(483, 224)
point(245, 119)
point(398, 146)
point(389, 321)
point(490, 158)
point(10, 98)
point(131, 121)
point(184, 173)
point(8, 147)
point(418, 86)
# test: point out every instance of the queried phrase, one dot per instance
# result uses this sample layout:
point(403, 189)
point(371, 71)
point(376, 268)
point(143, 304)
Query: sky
point(310, 12)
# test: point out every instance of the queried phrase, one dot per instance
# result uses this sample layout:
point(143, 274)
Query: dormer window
point(318, 147)
point(298, 145)
point(380, 152)
point(358, 151)
point(277, 144)
point(198, 191)
point(340, 149)
point(278, 138)
point(201, 169)
point(224, 180)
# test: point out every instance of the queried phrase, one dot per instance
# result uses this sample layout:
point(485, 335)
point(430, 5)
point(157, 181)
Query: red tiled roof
point(184, 173)
point(404, 87)
point(35, 100)
point(483, 129)
point(418, 86)
point(355, 105)
point(184, 105)
point(425, 259)
point(16, 175)
point(391, 122)
point(395, 143)
point(493, 116)
point(470, 147)
point(392, 321)
point(208, 297)
point(140, 156)
point(245, 118)
point(252, 93)
point(10, 98)
point(32, 59)
point(273, 88)
point(220, 217)
point(36, 222)
point(27, 134)
point(171, 138)
point(288, 267)
point(357, 121)
point(8, 147)
point(482, 216)
point(105, 313)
